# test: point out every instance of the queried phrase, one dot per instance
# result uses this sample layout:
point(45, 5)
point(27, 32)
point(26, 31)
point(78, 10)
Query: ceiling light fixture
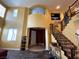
point(76, 9)
point(58, 7)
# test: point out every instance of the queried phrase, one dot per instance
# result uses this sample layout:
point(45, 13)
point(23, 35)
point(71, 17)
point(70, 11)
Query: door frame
point(35, 29)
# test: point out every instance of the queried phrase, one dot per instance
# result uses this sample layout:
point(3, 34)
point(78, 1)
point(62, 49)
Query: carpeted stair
point(67, 46)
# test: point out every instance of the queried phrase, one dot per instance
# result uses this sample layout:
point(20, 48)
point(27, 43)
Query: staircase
point(70, 29)
point(68, 37)
point(67, 46)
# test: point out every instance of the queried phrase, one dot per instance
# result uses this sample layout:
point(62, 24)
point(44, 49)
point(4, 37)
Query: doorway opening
point(37, 39)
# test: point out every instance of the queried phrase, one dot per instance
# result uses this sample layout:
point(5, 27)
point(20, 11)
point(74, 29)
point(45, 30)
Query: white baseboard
point(46, 49)
point(26, 48)
point(11, 48)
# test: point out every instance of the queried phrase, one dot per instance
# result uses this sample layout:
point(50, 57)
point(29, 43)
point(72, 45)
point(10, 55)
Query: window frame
point(4, 11)
point(15, 13)
point(12, 34)
point(38, 10)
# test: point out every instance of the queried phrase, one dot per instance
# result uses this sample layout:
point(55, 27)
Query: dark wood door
point(40, 36)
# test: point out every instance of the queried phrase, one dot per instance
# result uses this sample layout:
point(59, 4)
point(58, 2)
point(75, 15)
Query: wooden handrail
point(64, 36)
point(70, 7)
point(68, 39)
point(73, 49)
point(69, 11)
point(73, 3)
point(73, 53)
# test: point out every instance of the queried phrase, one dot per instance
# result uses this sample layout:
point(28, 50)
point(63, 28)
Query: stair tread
point(63, 41)
point(77, 51)
point(67, 46)
point(77, 57)
point(69, 55)
point(77, 54)
point(67, 50)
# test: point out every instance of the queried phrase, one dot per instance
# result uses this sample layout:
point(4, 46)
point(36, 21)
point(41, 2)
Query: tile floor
point(27, 55)
point(13, 54)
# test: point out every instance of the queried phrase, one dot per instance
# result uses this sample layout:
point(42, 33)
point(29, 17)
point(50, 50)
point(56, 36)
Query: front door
point(37, 37)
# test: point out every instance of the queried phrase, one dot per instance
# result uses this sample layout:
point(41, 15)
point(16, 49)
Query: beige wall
point(26, 13)
point(1, 27)
point(13, 22)
point(76, 23)
point(41, 21)
point(58, 22)
point(70, 30)
point(20, 23)
point(38, 20)
point(2, 22)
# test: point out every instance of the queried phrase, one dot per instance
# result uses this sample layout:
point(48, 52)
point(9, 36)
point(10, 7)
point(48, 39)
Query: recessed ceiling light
point(58, 7)
point(76, 9)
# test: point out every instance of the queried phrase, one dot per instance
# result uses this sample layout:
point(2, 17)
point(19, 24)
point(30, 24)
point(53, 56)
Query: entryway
point(37, 39)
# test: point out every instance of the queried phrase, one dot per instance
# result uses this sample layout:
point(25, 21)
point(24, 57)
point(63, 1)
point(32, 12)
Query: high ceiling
point(51, 4)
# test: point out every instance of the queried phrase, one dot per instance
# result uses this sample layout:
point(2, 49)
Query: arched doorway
point(37, 39)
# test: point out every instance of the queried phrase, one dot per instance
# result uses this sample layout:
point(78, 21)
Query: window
point(15, 12)
point(12, 34)
point(2, 10)
point(78, 34)
point(38, 10)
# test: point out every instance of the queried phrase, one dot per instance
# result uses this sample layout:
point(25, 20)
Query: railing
point(73, 53)
point(72, 11)
point(55, 51)
point(74, 8)
point(23, 42)
point(57, 32)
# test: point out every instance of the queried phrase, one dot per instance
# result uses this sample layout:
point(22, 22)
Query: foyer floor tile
point(13, 54)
